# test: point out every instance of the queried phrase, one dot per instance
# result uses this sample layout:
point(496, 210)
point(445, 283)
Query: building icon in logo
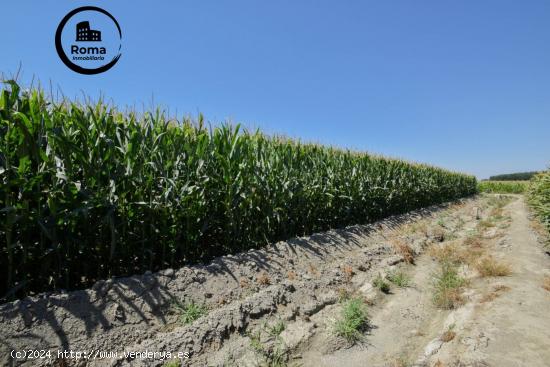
point(84, 33)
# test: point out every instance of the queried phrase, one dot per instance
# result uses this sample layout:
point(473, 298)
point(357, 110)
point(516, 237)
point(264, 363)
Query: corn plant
point(538, 196)
point(89, 192)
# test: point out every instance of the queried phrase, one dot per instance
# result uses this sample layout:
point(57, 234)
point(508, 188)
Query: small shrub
point(381, 284)
point(448, 287)
point(400, 279)
point(353, 320)
point(489, 267)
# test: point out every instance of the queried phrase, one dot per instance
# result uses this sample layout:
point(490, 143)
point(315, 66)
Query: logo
point(88, 40)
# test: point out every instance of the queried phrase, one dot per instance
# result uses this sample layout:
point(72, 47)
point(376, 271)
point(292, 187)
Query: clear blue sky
point(459, 84)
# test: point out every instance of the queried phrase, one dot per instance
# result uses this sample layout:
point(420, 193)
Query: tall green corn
point(88, 192)
point(538, 196)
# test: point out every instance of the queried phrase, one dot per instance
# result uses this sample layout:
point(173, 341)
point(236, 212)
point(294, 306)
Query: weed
point(448, 335)
point(399, 278)
point(172, 363)
point(243, 283)
point(343, 294)
point(448, 287)
point(496, 292)
point(419, 227)
point(353, 320)
point(263, 278)
point(274, 357)
point(399, 362)
point(277, 358)
point(451, 236)
point(312, 269)
point(256, 342)
point(189, 312)
point(348, 272)
point(291, 275)
point(489, 267)
point(438, 234)
point(404, 250)
point(473, 241)
point(277, 328)
point(381, 284)
point(485, 223)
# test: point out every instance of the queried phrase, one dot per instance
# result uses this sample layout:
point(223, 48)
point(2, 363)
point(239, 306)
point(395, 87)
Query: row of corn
point(538, 196)
point(88, 192)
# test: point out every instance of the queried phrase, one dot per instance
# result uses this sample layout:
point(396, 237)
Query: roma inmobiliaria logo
point(89, 40)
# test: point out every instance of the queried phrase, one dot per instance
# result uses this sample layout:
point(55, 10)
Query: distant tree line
point(519, 176)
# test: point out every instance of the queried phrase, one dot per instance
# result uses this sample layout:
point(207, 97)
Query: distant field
point(518, 176)
point(503, 187)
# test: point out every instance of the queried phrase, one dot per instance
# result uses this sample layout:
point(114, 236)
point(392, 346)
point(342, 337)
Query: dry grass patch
point(291, 275)
point(399, 362)
point(448, 286)
point(447, 336)
point(489, 267)
point(546, 283)
point(243, 283)
point(348, 272)
point(473, 242)
point(451, 253)
point(344, 294)
point(313, 269)
point(484, 224)
point(420, 227)
point(263, 279)
point(404, 250)
point(496, 292)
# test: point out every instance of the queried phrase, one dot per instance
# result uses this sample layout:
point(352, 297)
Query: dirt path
point(514, 328)
point(277, 306)
point(503, 322)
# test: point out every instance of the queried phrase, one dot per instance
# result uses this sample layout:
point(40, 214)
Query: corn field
point(88, 192)
point(538, 196)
